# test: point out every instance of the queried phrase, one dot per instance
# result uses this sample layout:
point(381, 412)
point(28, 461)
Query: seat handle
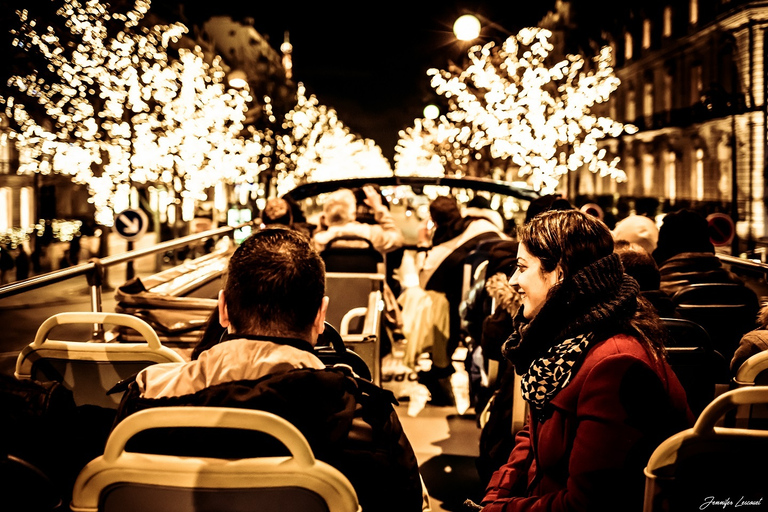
point(716, 409)
point(97, 317)
point(213, 417)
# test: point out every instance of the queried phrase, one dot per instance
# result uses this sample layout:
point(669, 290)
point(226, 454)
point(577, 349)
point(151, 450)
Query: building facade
point(693, 82)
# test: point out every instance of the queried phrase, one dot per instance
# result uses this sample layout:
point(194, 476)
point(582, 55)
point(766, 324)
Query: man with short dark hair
point(273, 307)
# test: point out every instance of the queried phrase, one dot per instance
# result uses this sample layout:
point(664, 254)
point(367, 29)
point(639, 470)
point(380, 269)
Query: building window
point(648, 166)
point(667, 28)
point(6, 209)
point(26, 207)
point(670, 176)
point(693, 11)
point(648, 101)
point(646, 34)
point(630, 113)
point(696, 84)
point(628, 46)
point(699, 176)
point(667, 92)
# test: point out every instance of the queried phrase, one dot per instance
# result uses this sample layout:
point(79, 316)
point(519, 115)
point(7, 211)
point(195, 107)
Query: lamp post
point(467, 27)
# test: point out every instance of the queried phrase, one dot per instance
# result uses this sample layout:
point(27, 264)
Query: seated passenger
point(340, 213)
point(601, 393)
point(685, 254)
point(639, 264)
point(284, 212)
point(638, 229)
point(441, 269)
point(480, 206)
point(753, 342)
point(273, 308)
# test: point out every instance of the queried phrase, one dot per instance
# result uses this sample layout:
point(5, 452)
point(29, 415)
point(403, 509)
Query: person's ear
point(223, 313)
point(319, 324)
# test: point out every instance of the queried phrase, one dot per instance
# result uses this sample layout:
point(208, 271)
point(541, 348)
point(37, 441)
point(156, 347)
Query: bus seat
point(87, 368)
point(355, 279)
point(121, 480)
point(26, 487)
point(701, 369)
point(752, 372)
point(726, 310)
point(707, 464)
point(331, 350)
point(352, 254)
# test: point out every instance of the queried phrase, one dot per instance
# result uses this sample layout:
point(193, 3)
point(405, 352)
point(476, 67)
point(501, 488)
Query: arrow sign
point(131, 224)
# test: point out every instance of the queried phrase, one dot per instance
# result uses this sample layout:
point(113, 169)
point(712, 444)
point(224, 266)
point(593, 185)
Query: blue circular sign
point(131, 224)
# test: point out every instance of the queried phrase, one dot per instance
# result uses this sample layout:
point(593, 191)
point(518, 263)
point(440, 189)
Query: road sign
point(594, 210)
point(131, 224)
point(721, 229)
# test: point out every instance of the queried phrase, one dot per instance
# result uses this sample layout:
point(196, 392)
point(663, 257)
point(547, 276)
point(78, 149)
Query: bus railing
point(95, 269)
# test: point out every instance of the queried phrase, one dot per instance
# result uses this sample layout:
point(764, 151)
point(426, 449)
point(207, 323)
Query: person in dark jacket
point(639, 264)
point(590, 355)
point(441, 269)
point(685, 254)
point(273, 309)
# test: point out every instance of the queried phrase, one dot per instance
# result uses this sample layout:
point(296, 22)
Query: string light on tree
point(535, 113)
point(118, 110)
point(315, 145)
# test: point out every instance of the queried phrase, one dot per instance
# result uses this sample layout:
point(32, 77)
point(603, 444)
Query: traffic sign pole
point(130, 225)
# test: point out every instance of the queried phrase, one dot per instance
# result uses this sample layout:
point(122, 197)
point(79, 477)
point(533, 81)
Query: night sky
point(368, 60)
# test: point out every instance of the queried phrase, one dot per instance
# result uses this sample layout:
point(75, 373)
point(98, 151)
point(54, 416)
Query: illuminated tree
point(422, 148)
point(315, 145)
point(116, 106)
point(515, 103)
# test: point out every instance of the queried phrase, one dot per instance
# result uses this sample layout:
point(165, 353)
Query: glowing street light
point(238, 79)
point(467, 27)
point(431, 112)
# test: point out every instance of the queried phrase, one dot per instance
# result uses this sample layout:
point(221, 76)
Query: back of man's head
point(340, 207)
point(680, 232)
point(275, 284)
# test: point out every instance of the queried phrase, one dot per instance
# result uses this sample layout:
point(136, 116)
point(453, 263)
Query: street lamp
point(237, 79)
point(467, 27)
point(431, 111)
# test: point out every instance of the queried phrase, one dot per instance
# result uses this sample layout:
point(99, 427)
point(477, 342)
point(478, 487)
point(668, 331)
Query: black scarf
point(585, 308)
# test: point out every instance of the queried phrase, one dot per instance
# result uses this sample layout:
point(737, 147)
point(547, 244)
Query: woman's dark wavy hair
point(573, 240)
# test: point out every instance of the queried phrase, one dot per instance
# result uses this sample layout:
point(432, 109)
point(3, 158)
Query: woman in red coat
point(594, 373)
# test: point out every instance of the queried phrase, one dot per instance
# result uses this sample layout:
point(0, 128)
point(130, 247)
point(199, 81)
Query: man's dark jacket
point(349, 423)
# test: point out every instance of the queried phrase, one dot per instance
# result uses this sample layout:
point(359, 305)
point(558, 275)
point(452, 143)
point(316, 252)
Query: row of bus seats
point(355, 279)
point(90, 369)
point(118, 480)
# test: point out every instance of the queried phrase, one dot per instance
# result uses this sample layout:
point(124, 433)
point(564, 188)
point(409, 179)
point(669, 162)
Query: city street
point(22, 314)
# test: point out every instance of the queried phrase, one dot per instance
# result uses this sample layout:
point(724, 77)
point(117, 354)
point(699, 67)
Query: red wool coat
point(590, 453)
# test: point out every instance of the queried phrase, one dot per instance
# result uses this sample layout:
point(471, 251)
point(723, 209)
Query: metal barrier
point(753, 273)
point(95, 268)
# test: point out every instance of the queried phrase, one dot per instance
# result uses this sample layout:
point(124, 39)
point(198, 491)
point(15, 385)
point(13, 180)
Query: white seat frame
point(300, 469)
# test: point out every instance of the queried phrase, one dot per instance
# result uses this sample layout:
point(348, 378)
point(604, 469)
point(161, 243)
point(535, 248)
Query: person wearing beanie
point(601, 393)
point(545, 203)
point(480, 206)
point(685, 254)
point(638, 229)
point(441, 270)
